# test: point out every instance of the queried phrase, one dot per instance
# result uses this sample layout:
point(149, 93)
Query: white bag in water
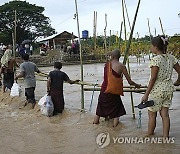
point(47, 106)
point(42, 100)
point(15, 90)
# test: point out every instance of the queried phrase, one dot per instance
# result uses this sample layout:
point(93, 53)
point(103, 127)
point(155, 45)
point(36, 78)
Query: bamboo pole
point(131, 34)
point(14, 42)
point(81, 60)
point(99, 85)
point(109, 40)
point(82, 82)
point(139, 90)
point(42, 74)
point(139, 58)
point(149, 35)
point(161, 26)
point(149, 29)
point(125, 88)
point(128, 47)
point(127, 14)
point(94, 30)
point(116, 37)
point(120, 33)
point(124, 21)
point(131, 95)
point(105, 41)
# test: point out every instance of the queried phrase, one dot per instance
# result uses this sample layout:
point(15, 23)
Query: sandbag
point(15, 90)
point(47, 106)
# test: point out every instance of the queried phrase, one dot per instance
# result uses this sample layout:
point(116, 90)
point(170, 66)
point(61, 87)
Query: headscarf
point(6, 57)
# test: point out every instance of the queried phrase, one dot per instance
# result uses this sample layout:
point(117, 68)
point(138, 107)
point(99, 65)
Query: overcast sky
point(61, 14)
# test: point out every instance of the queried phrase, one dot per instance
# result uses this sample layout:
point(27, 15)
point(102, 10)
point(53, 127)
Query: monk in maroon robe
point(110, 105)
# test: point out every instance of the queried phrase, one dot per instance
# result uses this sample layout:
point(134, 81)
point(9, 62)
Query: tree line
point(30, 24)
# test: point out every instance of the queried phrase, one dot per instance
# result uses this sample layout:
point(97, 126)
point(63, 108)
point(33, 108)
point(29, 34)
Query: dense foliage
point(140, 46)
point(31, 22)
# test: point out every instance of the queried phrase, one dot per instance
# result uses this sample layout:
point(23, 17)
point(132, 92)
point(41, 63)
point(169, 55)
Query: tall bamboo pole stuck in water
point(131, 34)
point(94, 30)
point(120, 33)
point(127, 14)
point(81, 60)
point(14, 36)
point(131, 95)
point(124, 21)
point(161, 26)
point(105, 41)
point(129, 43)
point(110, 41)
point(149, 35)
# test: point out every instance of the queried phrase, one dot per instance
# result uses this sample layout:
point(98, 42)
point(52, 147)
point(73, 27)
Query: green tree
point(31, 22)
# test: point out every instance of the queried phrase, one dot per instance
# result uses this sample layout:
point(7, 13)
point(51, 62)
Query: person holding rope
point(55, 82)
point(27, 71)
point(109, 103)
point(160, 88)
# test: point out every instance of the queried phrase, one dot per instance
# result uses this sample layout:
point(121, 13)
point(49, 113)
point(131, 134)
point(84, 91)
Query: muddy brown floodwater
point(26, 131)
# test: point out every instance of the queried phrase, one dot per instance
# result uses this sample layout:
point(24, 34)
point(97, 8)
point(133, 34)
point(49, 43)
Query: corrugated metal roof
point(61, 35)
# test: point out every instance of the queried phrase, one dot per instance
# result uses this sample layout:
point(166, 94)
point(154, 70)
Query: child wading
point(160, 88)
point(55, 82)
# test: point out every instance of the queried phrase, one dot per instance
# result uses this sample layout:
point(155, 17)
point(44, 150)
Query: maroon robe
point(109, 105)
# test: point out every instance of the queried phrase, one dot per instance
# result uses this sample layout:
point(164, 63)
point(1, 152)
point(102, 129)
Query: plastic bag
point(15, 90)
point(47, 106)
point(42, 100)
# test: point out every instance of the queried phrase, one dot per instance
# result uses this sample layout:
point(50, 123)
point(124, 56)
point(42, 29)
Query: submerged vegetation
point(139, 46)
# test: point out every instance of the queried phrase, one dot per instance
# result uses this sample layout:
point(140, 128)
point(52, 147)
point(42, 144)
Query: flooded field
point(27, 131)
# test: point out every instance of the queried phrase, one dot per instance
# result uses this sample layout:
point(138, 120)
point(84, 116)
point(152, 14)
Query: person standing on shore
point(27, 71)
point(109, 103)
point(160, 88)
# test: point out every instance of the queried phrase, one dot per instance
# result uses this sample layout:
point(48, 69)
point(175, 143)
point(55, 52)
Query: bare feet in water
point(96, 119)
point(33, 105)
point(25, 103)
point(115, 122)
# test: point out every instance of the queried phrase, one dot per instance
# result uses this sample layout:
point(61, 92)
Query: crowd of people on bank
point(110, 106)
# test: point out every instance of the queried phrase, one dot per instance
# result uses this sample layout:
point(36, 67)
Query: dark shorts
point(30, 96)
point(8, 79)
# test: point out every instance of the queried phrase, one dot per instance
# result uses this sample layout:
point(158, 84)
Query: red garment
point(109, 105)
